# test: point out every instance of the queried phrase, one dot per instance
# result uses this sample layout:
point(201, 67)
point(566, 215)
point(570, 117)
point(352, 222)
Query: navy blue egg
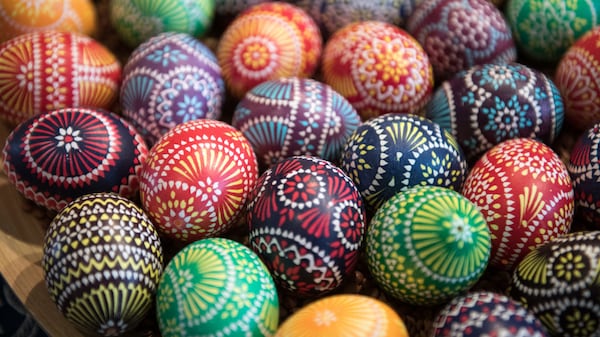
point(584, 169)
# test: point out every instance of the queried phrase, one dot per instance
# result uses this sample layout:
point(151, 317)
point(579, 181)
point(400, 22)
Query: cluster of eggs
point(404, 132)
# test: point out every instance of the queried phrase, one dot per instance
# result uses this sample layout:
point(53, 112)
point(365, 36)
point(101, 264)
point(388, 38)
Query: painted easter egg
point(295, 116)
point(268, 41)
point(544, 30)
point(484, 313)
point(197, 179)
point(427, 244)
point(491, 103)
point(216, 287)
point(102, 261)
point(459, 34)
point(57, 156)
point(19, 17)
point(344, 315)
point(44, 71)
point(523, 189)
point(16, 319)
point(393, 152)
point(578, 80)
point(170, 79)
point(558, 282)
point(136, 21)
point(307, 222)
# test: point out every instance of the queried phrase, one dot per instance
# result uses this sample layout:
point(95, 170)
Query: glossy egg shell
point(57, 156)
point(102, 260)
point(216, 287)
point(306, 222)
point(44, 71)
point(484, 313)
point(295, 116)
point(427, 244)
point(170, 79)
point(558, 282)
point(523, 189)
point(344, 315)
point(197, 179)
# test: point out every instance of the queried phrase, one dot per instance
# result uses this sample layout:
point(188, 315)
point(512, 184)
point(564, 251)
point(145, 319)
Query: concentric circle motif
point(484, 313)
point(102, 263)
point(393, 152)
point(268, 41)
point(379, 68)
point(307, 224)
point(44, 71)
point(197, 179)
point(170, 79)
point(524, 191)
point(558, 282)
point(491, 103)
point(459, 34)
point(348, 315)
point(427, 244)
point(216, 287)
point(293, 117)
point(57, 156)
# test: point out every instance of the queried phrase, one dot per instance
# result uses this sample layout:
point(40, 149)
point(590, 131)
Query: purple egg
point(584, 169)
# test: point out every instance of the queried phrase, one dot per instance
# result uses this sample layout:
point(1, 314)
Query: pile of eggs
point(243, 153)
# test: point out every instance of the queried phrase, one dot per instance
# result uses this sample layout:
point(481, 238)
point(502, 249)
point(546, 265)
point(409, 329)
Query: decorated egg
point(197, 179)
point(427, 244)
point(136, 21)
point(295, 116)
point(268, 41)
point(558, 282)
point(490, 103)
point(170, 79)
point(544, 30)
point(307, 222)
point(45, 71)
point(577, 80)
point(19, 17)
point(102, 261)
point(484, 313)
point(379, 68)
point(459, 34)
point(393, 152)
point(16, 319)
point(524, 191)
point(216, 287)
point(57, 156)
point(344, 315)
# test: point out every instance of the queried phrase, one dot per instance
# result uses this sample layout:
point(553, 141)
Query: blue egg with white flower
point(170, 79)
point(488, 104)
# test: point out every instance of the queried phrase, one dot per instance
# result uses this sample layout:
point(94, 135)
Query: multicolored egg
point(558, 282)
point(491, 103)
point(427, 244)
point(307, 222)
point(18, 17)
point(170, 79)
point(484, 313)
point(578, 80)
point(136, 21)
point(459, 34)
point(524, 191)
point(102, 263)
point(57, 156)
point(44, 71)
point(344, 315)
point(394, 152)
point(268, 41)
point(216, 287)
point(197, 179)
point(295, 116)
point(544, 30)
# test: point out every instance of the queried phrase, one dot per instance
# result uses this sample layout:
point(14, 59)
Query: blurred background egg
point(102, 260)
